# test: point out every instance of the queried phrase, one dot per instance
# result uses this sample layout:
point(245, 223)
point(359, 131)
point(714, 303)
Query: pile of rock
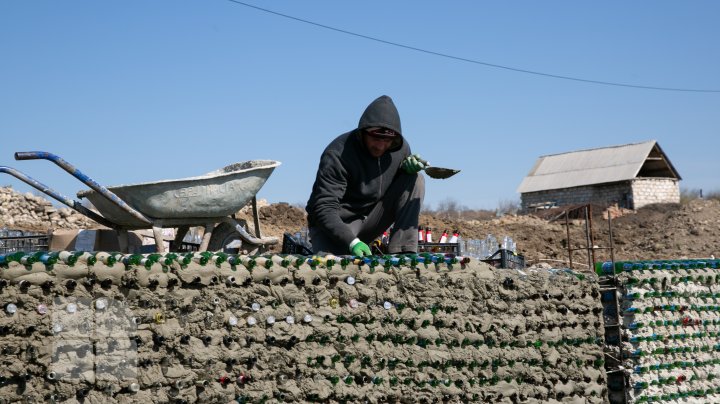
point(34, 213)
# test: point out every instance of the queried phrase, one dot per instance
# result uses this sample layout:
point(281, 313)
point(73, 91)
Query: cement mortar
point(204, 333)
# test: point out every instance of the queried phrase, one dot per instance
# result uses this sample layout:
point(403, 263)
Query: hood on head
point(382, 112)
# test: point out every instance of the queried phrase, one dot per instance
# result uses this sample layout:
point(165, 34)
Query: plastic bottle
point(444, 237)
point(454, 237)
point(428, 235)
point(492, 244)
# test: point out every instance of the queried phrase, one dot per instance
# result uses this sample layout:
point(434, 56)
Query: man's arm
point(330, 186)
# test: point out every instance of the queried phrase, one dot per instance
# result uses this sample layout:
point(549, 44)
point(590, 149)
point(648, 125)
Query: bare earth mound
point(654, 232)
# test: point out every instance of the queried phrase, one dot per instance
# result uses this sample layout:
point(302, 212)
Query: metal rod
point(563, 261)
point(256, 218)
point(247, 237)
point(567, 227)
point(36, 155)
point(60, 198)
point(612, 244)
point(588, 230)
point(592, 237)
point(179, 236)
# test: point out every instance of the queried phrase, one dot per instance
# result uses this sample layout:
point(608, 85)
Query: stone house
point(631, 175)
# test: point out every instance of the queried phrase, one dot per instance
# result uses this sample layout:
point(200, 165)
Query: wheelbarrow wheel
point(226, 239)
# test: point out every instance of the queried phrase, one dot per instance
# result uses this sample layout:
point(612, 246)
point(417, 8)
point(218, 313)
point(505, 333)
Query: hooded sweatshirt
point(350, 181)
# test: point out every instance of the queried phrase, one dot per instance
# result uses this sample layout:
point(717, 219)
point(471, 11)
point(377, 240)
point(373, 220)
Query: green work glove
point(360, 249)
point(412, 164)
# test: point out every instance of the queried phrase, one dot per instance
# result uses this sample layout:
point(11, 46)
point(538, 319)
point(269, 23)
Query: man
point(367, 180)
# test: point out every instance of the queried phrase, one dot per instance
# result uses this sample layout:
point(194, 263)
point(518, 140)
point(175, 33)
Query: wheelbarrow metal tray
point(186, 201)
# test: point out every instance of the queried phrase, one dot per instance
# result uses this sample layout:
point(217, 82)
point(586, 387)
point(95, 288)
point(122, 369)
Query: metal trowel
point(438, 172)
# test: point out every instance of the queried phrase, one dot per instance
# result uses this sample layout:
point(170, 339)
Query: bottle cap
point(71, 308)
point(42, 308)
point(308, 318)
point(290, 320)
point(101, 304)
point(11, 308)
point(350, 280)
point(251, 320)
point(353, 303)
point(270, 319)
point(159, 318)
point(387, 305)
point(255, 306)
point(232, 321)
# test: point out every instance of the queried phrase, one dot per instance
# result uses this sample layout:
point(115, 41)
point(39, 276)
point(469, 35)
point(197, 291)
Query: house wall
point(633, 194)
point(646, 191)
point(612, 193)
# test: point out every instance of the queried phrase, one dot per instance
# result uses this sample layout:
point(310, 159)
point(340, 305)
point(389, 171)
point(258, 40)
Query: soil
point(667, 231)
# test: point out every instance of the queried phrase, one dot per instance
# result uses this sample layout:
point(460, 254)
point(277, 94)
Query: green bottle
point(47, 258)
point(28, 259)
point(132, 259)
point(219, 257)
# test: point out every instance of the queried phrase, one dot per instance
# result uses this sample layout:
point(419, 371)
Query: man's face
point(378, 140)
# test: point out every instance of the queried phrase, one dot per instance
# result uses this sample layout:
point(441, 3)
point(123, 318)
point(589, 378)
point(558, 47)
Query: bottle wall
point(671, 329)
point(217, 328)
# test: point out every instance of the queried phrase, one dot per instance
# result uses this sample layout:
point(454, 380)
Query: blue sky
point(136, 91)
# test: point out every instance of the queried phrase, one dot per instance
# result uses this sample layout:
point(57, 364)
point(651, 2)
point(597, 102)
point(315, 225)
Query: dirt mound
point(653, 232)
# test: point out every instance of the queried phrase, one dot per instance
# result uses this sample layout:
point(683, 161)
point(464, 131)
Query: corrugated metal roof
point(588, 167)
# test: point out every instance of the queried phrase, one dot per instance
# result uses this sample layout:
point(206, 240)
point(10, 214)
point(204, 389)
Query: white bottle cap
point(101, 304)
point(350, 280)
point(11, 308)
point(290, 320)
point(270, 319)
point(308, 318)
point(232, 321)
point(251, 320)
point(387, 305)
point(71, 308)
point(255, 306)
point(42, 308)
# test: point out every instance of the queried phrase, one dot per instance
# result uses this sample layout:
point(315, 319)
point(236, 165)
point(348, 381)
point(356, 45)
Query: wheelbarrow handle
point(109, 195)
point(29, 155)
point(59, 197)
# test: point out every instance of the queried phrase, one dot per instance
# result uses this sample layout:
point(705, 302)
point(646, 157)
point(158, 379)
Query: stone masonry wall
point(604, 194)
point(640, 191)
point(647, 191)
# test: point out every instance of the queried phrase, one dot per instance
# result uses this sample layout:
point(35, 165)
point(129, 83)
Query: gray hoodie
point(350, 181)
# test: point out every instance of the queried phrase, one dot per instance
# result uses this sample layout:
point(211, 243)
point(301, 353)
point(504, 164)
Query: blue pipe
point(35, 155)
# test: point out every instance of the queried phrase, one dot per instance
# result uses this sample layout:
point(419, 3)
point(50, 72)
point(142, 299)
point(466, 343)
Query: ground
point(691, 229)
point(655, 232)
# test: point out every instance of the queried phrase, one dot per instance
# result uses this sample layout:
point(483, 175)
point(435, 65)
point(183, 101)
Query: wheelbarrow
point(209, 200)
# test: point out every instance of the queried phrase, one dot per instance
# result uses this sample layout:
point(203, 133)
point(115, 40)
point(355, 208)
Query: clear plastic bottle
point(491, 243)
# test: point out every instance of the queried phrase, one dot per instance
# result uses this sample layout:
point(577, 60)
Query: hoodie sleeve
point(330, 185)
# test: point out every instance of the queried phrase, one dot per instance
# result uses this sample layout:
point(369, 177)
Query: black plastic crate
point(292, 245)
point(443, 248)
point(29, 243)
point(506, 259)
